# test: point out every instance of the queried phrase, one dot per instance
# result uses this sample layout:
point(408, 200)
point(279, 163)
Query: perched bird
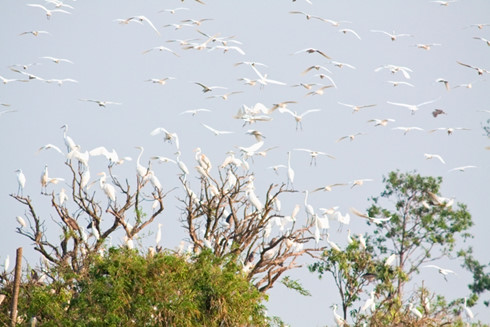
point(21, 221)
point(369, 304)
point(21, 180)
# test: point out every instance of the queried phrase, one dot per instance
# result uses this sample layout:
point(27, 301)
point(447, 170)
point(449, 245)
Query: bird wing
point(159, 130)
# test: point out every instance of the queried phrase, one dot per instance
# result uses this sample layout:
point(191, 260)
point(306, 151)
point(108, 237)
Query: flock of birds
point(317, 81)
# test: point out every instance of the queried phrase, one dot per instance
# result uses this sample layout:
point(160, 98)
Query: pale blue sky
point(109, 65)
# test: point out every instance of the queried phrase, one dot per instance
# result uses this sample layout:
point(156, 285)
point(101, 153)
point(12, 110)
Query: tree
point(232, 234)
point(413, 225)
point(126, 288)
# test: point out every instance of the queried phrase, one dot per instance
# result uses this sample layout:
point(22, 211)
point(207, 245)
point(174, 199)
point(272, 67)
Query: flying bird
point(348, 30)
point(101, 103)
point(315, 154)
point(479, 70)
point(393, 36)
point(413, 108)
point(161, 48)
point(438, 112)
point(462, 168)
point(215, 131)
point(57, 60)
point(312, 50)
point(432, 156)
point(443, 271)
point(209, 88)
point(356, 108)
point(48, 12)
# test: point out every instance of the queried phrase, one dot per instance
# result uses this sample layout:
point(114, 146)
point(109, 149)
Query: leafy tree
point(125, 288)
point(413, 225)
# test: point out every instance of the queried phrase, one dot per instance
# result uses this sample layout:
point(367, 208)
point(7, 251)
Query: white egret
point(215, 131)
point(380, 122)
point(356, 108)
point(328, 188)
point(299, 117)
point(48, 12)
point(449, 130)
point(315, 154)
point(332, 244)
point(393, 36)
point(338, 319)
point(390, 259)
point(412, 107)
point(70, 144)
point(161, 48)
point(168, 137)
point(407, 129)
point(394, 69)
point(101, 103)
point(432, 156)
point(158, 237)
point(57, 60)
point(443, 271)
point(194, 112)
point(108, 189)
point(206, 88)
point(369, 304)
point(414, 310)
point(351, 137)
point(263, 78)
point(348, 30)
point(479, 70)
point(62, 196)
point(140, 169)
point(360, 182)
point(290, 172)
point(182, 165)
point(21, 221)
point(468, 311)
point(6, 264)
point(462, 168)
point(21, 180)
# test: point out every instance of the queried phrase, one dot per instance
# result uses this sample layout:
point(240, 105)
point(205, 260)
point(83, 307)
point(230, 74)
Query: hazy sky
point(109, 65)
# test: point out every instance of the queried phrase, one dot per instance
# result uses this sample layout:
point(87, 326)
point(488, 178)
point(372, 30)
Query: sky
point(109, 62)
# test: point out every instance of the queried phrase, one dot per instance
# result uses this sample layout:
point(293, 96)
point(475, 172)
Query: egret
point(413, 108)
point(380, 122)
point(159, 234)
point(299, 117)
point(338, 319)
point(360, 182)
point(108, 189)
point(182, 165)
point(21, 221)
point(390, 259)
point(351, 137)
point(142, 19)
point(407, 129)
point(393, 36)
point(468, 311)
point(161, 48)
point(356, 108)
point(70, 144)
point(310, 212)
point(332, 244)
point(21, 180)
point(290, 172)
point(394, 69)
point(168, 137)
point(100, 102)
point(369, 304)
point(432, 156)
point(443, 271)
point(48, 12)
point(6, 264)
point(414, 310)
point(206, 89)
point(154, 180)
point(62, 196)
point(215, 131)
point(348, 30)
point(479, 70)
point(462, 168)
point(57, 60)
point(140, 169)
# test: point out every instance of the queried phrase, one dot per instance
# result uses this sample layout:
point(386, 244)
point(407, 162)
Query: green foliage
point(295, 285)
point(423, 226)
point(124, 288)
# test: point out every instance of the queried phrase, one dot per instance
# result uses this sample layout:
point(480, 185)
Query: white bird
point(444, 3)
point(348, 30)
point(142, 19)
point(414, 310)
point(21, 181)
point(394, 69)
point(407, 129)
point(168, 137)
point(320, 90)
point(182, 165)
point(312, 50)
point(369, 304)
point(174, 10)
point(250, 151)
point(57, 60)
point(263, 78)
point(62, 196)
point(338, 319)
point(6, 264)
point(227, 48)
point(299, 117)
point(356, 108)
point(351, 137)
point(194, 112)
point(468, 311)
point(82, 157)
point(390, 259)
point(342, 64)
point(21, 221)
point(102, 151)
point(412, 107)
point(161, 48)
point(215, 131)
point(140, 169)
point(48, 12)
point(443, 271)
point(50, 146)
point(334, 23)
point(432, 156)
point(479, 70)
point(360, 182)
point(328, 188)
point(462, 168)
point(393, 36)
point(209, 88)
point(199, 23)
point(276, 168)
point(316, 67)
point(371, 219)
point(8, 80)
point(380, 122)
point(158, 237)
point(254, 200)
point(108, 189)
point(449, 130)
point(35, 33)
point(70, 144)
point(258, 135)
point(291, 173)
point(315, 154)
point(396, 83)
point(60, 81)
point(332, 244)
point(225, 96)
point(101, 103)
